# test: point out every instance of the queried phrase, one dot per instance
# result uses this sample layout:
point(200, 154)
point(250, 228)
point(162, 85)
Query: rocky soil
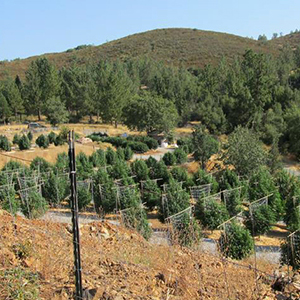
point(118, 264)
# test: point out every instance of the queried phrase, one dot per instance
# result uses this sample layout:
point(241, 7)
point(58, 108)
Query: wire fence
point(52, 237)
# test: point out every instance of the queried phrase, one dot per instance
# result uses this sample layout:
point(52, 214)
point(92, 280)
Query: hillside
point(36, 257)
point(292, 39)
point(177, 46)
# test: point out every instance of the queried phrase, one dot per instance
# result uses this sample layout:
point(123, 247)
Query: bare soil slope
point(119, 264)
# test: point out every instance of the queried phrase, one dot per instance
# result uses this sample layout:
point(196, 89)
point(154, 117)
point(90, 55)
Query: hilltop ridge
point(176, 46)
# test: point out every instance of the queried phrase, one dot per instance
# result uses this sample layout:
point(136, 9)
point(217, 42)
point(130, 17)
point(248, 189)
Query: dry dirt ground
point(120, 265)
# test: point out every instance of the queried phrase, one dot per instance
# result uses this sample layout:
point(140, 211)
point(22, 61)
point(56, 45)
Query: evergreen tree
point(56, 112)
point(115, 94)
point(205, 145)
point(236, 242)
point(244, 151)
point(176, 200)
point(149, 113)
point(13, 97)
point(41, 84)
point(4, 109)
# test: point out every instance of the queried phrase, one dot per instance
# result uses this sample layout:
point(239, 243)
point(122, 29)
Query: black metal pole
point(74, 208)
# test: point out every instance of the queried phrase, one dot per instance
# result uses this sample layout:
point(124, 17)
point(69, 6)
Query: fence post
point(74, 208)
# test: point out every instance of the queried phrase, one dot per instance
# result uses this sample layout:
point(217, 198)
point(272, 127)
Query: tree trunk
point(116, 124)
point(39, 114)
point(202, 165)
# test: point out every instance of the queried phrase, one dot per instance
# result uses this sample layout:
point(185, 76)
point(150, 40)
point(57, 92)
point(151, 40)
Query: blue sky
point(33, 27)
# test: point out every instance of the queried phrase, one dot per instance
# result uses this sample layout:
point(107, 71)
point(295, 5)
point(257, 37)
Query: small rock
point(104, 233)
point(105, 296)
point(89, 294)
point(69, 228)
point(161, 277)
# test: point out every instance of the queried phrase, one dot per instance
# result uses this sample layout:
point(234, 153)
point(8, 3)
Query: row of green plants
point(138, 144)
point(23, 141)
point(105, 167)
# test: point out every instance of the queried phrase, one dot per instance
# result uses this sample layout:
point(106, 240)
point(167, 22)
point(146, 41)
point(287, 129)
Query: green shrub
point(62, 162)
point(187, 232)
point(261, 220)
point(290, 251)
point(136, 218)
point(115, 141)
point(294, 220)
point(119, 170)
point(110, 156)
point(289, 189)
point(160, 171)
point(128, 153)
point(56, 189)
point(233, 202)
point(169, 159)
point(34, 206)
point(19, 283)
point(16, 139)
point(181, 175)
point(129, 198)
point(228, 179)
point(40, 164)
point(181, 156)
point(64, 133)
point(151, 162)
point(52, 137)
point(106, 195)
point(95, 138)
point(186, 144)
point(236, 242)
point(42, 141)
point(138, 147)
point(175, 201)
point(84, 197)
point(201, 177)
point(140, 170)
point(59, 141)
point(13, 165)
point(98, 158)
point(151, 194)
point(120, 153)
point(150, 142)
point(84, 168)
point(30, 136)
point(8, 200)
point(211, 213)
point(4, 143)
point(24, 143)
point(262, 184)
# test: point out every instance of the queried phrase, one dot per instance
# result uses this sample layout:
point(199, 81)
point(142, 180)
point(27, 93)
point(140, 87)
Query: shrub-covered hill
point(292, 39)
point(177, 46)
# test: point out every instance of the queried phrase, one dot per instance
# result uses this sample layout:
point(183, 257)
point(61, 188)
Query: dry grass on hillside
point(175, 46)
point(120, 265)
